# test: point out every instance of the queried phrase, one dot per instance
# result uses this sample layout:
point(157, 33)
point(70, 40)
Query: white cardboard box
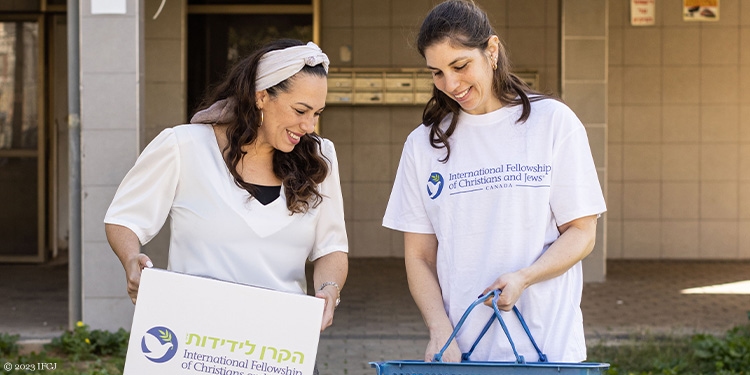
point(194, 325)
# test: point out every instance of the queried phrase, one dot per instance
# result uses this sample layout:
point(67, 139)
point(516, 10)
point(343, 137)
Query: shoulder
point(419, 136)
point(192, 134)
point(326, 147)
point(328, 151)
point(192, 129)
point(165, 139)
point(551, 107)
point(555, 114)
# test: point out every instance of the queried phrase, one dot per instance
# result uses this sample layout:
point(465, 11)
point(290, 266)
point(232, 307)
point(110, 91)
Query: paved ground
point(377, 319)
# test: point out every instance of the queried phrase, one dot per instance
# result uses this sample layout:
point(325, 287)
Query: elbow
point(590, 245)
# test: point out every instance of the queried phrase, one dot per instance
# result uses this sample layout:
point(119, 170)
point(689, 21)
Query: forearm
point(329, 276)
point(333, 267)
point(421, 270)
point(420, 256)
point(425, 290)
point(127, 247)
point(575, 243)
point(123, 242)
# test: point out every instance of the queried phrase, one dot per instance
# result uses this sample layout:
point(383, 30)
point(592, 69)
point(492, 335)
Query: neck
point(258, 150)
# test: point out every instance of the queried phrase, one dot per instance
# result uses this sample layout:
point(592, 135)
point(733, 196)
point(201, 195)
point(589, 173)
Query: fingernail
point(149, 264)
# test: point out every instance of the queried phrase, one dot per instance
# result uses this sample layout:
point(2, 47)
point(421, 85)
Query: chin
point(286, 149)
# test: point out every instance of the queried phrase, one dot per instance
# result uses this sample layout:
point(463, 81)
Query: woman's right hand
point(127, 247)
point(437, 341)
point(133, 268)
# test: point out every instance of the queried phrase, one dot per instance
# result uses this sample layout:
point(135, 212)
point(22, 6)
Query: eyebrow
point(452, 62)
point(309, 107)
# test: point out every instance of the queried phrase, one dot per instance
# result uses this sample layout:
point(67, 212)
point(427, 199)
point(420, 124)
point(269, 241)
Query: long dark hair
point(300, 170)
point(463, 23)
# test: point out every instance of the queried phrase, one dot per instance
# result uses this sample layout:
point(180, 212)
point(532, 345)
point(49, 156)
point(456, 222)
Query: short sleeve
point(406, 211)
point(330, 231)
point(575, 189)
point(144, 198)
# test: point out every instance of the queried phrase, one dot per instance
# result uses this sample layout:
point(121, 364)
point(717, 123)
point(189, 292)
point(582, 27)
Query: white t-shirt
point(217, 231)
point(495, 206)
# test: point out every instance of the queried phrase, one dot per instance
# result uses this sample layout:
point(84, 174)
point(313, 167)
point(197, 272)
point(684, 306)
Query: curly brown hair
point(302, 169)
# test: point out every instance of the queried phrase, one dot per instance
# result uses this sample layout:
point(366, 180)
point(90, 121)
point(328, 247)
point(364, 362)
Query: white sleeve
point(575, 189)
point(330, 231)
point(406, 211)
point(144, 198)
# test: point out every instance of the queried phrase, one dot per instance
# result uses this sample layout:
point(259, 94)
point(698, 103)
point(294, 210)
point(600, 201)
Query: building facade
point(665, 106)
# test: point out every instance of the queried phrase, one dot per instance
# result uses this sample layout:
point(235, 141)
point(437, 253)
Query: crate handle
point(465, 356)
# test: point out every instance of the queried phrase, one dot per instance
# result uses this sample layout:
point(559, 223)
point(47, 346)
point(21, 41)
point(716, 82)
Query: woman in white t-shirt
point(252, 192)
point(497, 189)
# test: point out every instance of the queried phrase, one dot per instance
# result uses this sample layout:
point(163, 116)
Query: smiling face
point(465, 74)
point(291, 114)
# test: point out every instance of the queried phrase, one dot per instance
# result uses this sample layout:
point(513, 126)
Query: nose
point(308, 124)
point(451, 82)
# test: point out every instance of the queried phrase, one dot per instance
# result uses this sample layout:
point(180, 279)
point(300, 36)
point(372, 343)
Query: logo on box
point(159, 344)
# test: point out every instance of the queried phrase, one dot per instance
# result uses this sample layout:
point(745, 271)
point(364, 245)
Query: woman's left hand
point(329, 294)
point(511, 285)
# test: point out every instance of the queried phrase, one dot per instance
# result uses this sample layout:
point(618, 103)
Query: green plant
point(8, 344)
point(645, 355)
point(110, 343)
point(84, 344)
point(64, 366)
point(730, 354)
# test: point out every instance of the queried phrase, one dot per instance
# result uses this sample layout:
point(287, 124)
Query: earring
point(261, 119)
point(494, 63)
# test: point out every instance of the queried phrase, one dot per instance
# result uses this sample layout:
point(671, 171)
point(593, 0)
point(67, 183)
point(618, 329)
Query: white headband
point(276, 66)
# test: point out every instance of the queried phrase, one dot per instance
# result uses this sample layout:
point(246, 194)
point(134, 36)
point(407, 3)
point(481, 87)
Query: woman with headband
point(252, 191)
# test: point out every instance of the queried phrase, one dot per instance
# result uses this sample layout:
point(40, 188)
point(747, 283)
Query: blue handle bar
point(465, 356)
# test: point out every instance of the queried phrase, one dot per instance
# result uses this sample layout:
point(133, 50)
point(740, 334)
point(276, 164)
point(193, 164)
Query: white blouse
point(217, 231)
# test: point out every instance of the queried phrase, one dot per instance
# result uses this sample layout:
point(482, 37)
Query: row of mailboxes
point(377, 97)
point(373, 87)
point(388, 81)
point(369, 87)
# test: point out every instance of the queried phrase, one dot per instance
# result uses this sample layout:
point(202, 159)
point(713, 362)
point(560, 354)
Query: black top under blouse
point(267, 194)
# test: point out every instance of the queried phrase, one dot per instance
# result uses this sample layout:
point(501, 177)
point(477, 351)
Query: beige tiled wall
point(679, 137)
point(369, 139)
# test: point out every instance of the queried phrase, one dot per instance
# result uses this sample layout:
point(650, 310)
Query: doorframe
point(313, 9)
point(41, 151)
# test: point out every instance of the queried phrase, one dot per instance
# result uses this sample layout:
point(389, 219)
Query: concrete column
point(584, 88)
point(112, 116)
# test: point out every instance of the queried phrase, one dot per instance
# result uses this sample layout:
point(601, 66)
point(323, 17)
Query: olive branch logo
point(165, 335)
point(434, 182)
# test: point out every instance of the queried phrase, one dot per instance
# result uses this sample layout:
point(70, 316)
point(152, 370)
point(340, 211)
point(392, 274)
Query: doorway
point(22, 140)
point(220, 32)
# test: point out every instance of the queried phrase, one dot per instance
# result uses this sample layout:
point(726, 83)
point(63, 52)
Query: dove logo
point(159, 344)
point(435, 185)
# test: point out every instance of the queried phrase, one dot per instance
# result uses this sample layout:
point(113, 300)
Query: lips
point(462, 95)
point(293, 137)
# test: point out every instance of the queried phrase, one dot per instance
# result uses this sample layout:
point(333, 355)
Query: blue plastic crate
point(468, 367)
point(487, 368)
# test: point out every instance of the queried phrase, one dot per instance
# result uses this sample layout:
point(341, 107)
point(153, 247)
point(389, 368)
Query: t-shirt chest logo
point(435, 185)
